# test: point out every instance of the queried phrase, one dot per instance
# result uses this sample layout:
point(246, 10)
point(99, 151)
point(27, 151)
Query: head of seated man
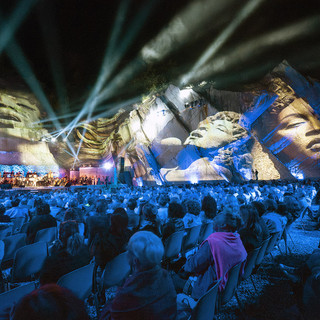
point(145, 250)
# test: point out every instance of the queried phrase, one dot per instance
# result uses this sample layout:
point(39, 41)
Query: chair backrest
point(262, 251)
point(116, 271)
point(46, 235)
point(250, 263)
point(205, 307)
point(78, 281)
point(24, 227)
point(17, 224)
point(173, 245)
point(274, 238)
point(81, 228)
point(28, 261)
point(190, 240)
point(206, 230)
point(5, 232)
point(2, 248)
point(231, 285)
point(11, 297)
point(12, 244)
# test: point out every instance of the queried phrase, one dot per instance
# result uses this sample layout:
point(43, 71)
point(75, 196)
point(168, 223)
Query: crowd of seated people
point(242, 215)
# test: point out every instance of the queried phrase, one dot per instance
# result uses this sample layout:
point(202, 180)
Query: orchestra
point(33, 179)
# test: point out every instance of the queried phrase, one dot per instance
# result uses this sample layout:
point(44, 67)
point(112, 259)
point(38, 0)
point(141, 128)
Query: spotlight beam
point(134, 28)
point(111, 111)
point(106, 68)
point(177, 32)
point(253, 48)
point(244, 13)
point(18, 59)
point(64, 116)
point(22, 65)
point(11, 25)
point(52, 45)
point(122, 78)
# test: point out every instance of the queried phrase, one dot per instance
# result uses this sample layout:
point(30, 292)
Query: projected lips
point(9, 117)
point(314, 145)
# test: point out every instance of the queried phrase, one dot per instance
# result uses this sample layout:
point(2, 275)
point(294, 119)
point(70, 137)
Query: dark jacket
point(95, 225)
point(172, 226)
point(4, 218)
point(61, 263)
point(146, 295)
point(252, 239)
point(107, 246)
point(39, 223)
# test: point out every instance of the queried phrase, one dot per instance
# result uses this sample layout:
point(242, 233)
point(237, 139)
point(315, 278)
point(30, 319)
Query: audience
point(216, 256)
point(192, 209)
point(133, 217)
point(3, 216)
point(149, 220)
point(274, 221)
point(152, 214)
point(307, 278)
point(149, 292)
point(43, 220)
point(74, 256)
point(208, 209)
point(175, 222)
point(50, 302)
point(107, 244)
point(254, 230)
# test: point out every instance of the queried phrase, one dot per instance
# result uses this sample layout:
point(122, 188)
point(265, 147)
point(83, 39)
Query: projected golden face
point(211, 135)
point(300, 125)
point(217, 131)
point(292, 133)
point(19, 117)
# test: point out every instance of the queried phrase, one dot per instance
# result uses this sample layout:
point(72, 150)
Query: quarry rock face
point(21, 134)
point(234, 132)
point(186, 134)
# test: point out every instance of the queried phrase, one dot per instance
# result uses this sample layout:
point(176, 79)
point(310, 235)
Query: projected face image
point(299, 123)
point(18, 116)
point(211, 134)
point(293, 136)
point(217, 131)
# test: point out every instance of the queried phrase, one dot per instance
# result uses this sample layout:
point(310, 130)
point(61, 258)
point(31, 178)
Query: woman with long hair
point(254, 231)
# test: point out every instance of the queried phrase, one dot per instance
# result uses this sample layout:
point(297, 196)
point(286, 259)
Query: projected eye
point(24, 106)
point(295, 125)
point(222, 128)
point(197, 135)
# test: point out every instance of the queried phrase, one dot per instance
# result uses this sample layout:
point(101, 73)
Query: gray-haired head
point(147, 248)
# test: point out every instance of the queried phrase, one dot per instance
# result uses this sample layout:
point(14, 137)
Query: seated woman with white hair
point(149, 292)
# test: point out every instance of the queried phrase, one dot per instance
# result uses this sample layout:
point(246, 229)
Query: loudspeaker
point(121, 164)
point(125, 178)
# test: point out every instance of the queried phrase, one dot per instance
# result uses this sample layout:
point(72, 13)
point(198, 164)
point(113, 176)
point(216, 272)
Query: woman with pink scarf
point(217, 255)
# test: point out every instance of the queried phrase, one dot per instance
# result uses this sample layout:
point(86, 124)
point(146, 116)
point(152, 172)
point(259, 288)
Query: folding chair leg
point(254, 285)
point(240, 306)
point(271, 256)
point(96, 303)
point(292, 240)
point(238, 301)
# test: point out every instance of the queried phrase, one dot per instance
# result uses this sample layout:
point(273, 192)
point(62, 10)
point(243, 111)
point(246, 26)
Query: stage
point(52, 188)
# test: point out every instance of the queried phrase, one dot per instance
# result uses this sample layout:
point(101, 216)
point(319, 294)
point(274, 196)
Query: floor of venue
point(276, 296)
